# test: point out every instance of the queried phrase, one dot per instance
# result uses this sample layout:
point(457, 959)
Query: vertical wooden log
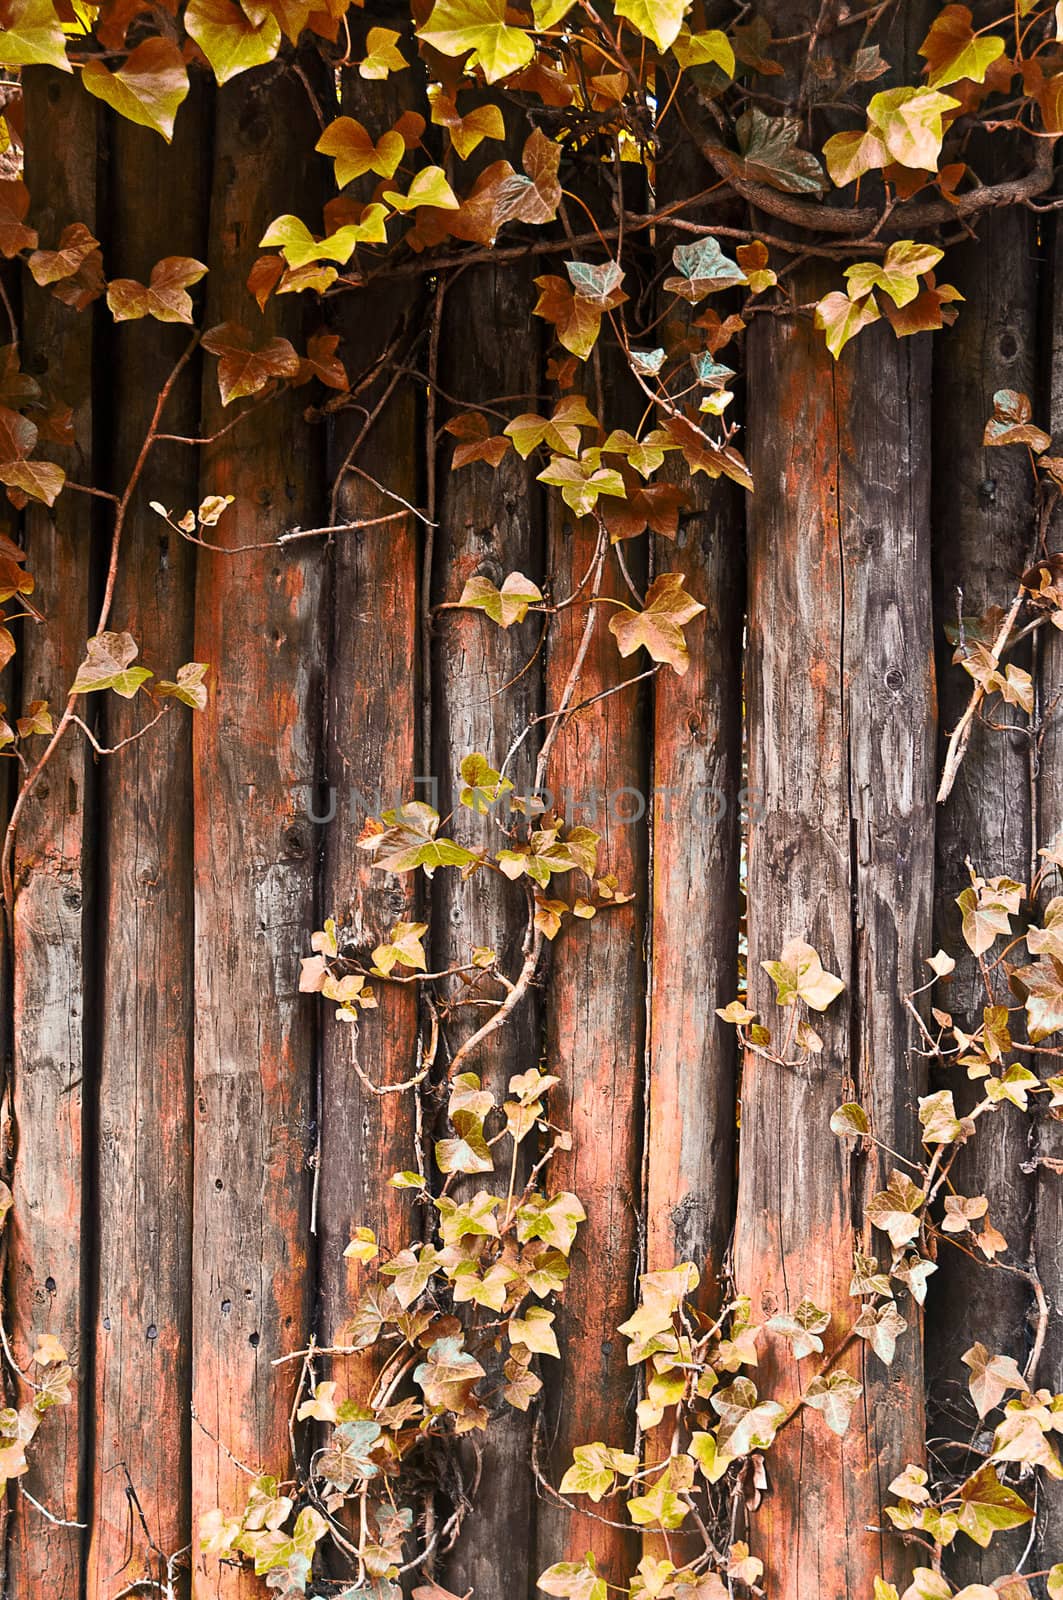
point(490, 526)
point(370, 753)
point(841, 716)
point(144, 1196)
point(1047, 1221)
point(255, 757)
point(697, 761)
point(595, 1036)
point(983, 536)
point(54, 874)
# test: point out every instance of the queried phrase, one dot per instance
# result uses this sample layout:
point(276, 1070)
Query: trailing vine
point(590, 102)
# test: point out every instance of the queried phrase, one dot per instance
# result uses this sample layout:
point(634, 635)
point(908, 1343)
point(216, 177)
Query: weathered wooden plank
point(54, 870)
point(490, 526)
point(983, 536)
point(1047, 1143)
point(841, 716)
point(370, 754)
point(255, 757)
point(595, 1043)
point(697, 761)
point(144, 1184)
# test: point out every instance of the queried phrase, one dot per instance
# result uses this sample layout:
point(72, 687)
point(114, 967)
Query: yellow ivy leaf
point(456, 27)
point(147, 88)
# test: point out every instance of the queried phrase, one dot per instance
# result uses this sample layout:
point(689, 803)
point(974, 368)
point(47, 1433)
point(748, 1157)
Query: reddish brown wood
point(256, 767)
point(144, 1185)
point(595, 1033)
point(52, 951)
point(483, 699)
point(841, 710)
point(371, 739)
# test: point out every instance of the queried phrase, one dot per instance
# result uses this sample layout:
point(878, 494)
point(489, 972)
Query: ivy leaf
point(403, 948)
point(909, 123)
point(353, 151)
point(429, 188)
point(41, 480)
point(582, 482)
point(76, 245)
point(164, 298)
point(575, 1580)
point(14, 203)
point(704, 269)
point(991, 1377)
point(189, 686)
point(506, 605)
point(300, 248)
point(746, 1422)
point(1010, 422)
point(881, 1327)
point(988, 1506)
point(841, 319)
point(535, 1331)
point(834, 1396)
point(576, 317)
point(467, 132)
point(799, 975)
point(1040, 987)
point(382, 54)
point(447, 1375)
point(38, 719)
point(594, 1470)
point(952, 49)
point(32, 36)
point(347, 1455)
point(657, 20)
point(850, 1121)
point(771, 153)
point(896, 1209)
point(937, 1114)
point(107, 666)
point(147, 88)
point(228, 39)
point(849, 155)
point(456, 27)
point(659, 626)
point(243, 370)
point(662, 1506)
point(897, 274)
point(802, 1328)
point(535, 196)
point(469, 1151)
point(710, 48)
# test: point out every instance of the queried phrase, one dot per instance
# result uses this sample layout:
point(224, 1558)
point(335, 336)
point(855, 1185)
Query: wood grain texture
point(1047, 1141)
point(52, 947)
point(142, 1296)
point(371, 741)
point(841, 714)
point(490, 526)
point(983, 537)
point(256, 756)
point(697, 765)
point(595, 1043)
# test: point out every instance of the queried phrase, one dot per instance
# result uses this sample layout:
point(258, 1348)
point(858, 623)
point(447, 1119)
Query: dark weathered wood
point(54, 870)
point(697, 759)
point(370, 745)
point(1047, 1142)
point(595, 1043)
point(256, 767)
point(841, 714)
point(983, 534)
point(144, 1184)
point(490, 526)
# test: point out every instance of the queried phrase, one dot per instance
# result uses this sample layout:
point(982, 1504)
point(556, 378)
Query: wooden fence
point(191, 1145)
